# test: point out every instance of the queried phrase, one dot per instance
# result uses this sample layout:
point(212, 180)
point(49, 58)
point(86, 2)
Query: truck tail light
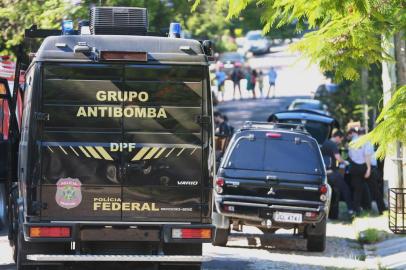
point(50, 232)
point(189, 233)
point(219, 185)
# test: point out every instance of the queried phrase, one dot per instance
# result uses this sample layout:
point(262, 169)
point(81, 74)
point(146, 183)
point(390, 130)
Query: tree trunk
point(364, 89)
point(400, 58)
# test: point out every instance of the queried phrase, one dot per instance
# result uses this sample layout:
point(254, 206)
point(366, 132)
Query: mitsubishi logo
point(271, 191)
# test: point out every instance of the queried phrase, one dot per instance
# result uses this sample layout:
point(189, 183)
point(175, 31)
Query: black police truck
point(115, 160)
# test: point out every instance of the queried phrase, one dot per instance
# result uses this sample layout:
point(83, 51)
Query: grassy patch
point(371, 236)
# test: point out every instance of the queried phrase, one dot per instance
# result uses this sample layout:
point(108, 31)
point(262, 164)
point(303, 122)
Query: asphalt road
point(251, 249)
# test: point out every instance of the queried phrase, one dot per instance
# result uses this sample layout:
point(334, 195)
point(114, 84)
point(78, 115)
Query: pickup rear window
point(275, 155)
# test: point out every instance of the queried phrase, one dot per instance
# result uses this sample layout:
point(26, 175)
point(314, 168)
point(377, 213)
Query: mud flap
point(316, 229)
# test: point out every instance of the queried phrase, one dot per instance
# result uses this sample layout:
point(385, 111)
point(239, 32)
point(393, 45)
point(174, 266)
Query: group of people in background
point(255, 80)
point(363, 182)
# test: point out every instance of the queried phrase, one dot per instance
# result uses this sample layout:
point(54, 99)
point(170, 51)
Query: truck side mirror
point(5, 98)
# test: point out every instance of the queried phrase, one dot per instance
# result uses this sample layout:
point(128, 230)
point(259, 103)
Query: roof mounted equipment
point(118, 21)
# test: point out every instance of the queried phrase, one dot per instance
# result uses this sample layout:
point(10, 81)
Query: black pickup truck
point(272, 176)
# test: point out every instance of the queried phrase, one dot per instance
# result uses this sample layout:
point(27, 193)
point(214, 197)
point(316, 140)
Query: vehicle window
point(319, 131)
point(275, 155)
point(231, 57)
point(254, 37)
point(164, 73)
point(311, 106)
point(287, 156)
point(247, 155)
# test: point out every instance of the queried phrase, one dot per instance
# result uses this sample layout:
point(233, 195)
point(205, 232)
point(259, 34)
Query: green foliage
point(391, 125)
point(16, 15)
point(371, 236)
point(347, 34)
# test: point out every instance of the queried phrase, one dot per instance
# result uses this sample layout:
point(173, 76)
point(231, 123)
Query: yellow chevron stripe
point(180, 152)
point(50, 149)
point(170, 152)
point(151, 153)
point(140, 153)
point(103, 152)
point(84, 151)
point(63, 150)
point(93, 152)
point(194, 150)
point(160, 152)
point(73, 149)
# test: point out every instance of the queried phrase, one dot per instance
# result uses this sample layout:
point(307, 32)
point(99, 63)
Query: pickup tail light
point(50, 232)
point(189, 233)
point(311, 214)
point(219, 185)
point(323, 189)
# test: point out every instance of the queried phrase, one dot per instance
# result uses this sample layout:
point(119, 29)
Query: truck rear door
point(121, 142)
point(80, 176)
point(163, 170)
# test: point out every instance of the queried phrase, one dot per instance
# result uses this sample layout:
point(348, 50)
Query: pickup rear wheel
point(316, 239)
point(316, 243)
point(220, 237)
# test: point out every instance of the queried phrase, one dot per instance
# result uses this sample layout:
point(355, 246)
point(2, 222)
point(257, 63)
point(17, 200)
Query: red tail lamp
point(50, 232)
point(189, 233)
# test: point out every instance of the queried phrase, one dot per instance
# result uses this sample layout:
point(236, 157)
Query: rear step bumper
point(257, 204)
point(115, 258)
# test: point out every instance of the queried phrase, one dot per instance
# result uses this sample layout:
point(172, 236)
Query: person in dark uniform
point(373, 181)
point(330, 150)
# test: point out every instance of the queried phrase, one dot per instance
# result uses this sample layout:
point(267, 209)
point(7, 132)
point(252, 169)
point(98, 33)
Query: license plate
point(287, 217)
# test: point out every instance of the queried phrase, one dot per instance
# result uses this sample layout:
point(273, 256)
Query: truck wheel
point(220, 237)
point(19, 252)
point(3, 206)
point(317, 241)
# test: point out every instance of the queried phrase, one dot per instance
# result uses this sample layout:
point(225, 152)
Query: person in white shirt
point(372, 182)
point(360, 169)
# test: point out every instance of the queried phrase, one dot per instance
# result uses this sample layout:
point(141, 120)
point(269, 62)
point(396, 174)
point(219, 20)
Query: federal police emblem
point(68, 192)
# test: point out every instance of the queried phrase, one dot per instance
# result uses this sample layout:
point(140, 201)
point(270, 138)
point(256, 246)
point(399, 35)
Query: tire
point(3, 206)
point(220, 237)
point(317, 242)
point(20, 252)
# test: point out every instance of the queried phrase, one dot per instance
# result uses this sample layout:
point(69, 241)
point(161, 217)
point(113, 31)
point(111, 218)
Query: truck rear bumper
point(116, 232)
point(113, 258)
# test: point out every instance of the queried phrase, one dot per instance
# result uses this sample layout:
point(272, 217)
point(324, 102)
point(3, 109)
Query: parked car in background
point(272, 176)
point(319, 125)
point(256, 43)
point(230, 60)
point(309, 104)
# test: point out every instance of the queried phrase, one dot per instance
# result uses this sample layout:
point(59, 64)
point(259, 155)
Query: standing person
point(272, 75)
point(236, 77)
point(221, 78)
point(335, 178)
point(360, 161)
point(260, 82)
point(250, 76)
point(373, 181)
